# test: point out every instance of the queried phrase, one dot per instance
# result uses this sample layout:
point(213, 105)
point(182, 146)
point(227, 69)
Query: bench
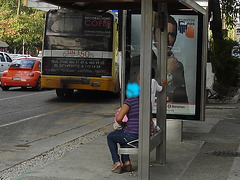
point(132, 146)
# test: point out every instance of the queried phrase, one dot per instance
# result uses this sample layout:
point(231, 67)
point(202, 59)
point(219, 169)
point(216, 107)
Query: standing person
point(128, 133)
point(155, 87)
point(176, 87)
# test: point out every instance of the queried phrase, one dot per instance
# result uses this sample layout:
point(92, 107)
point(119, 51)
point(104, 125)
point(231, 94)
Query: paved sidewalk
point(91, 160)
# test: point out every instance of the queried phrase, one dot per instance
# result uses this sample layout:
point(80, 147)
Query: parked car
point(23, 72)
point(236, 51)
point(39, 55)
point(15, 56)
point(5, 60)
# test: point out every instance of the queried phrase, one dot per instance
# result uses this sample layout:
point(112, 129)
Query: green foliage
point(225, 66)
point(8, 4)
point(27, 27)
point(230, 12)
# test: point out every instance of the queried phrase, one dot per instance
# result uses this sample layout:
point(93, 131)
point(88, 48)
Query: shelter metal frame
point(98, 6)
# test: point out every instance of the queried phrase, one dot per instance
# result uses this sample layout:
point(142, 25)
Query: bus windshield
point(78, 31)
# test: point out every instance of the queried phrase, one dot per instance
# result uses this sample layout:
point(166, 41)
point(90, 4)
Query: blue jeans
point(119, 137)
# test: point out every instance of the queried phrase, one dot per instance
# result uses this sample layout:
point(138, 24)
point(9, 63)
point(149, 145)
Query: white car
point(5, 60)
point(15, 56)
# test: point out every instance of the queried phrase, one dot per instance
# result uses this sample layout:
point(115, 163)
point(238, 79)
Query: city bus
point(80, 52)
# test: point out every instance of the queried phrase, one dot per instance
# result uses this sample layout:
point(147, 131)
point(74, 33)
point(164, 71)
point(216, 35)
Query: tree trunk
point(18, 7)
point(215, 19)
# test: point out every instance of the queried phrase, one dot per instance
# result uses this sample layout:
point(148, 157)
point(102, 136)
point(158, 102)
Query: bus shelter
point(146, 142)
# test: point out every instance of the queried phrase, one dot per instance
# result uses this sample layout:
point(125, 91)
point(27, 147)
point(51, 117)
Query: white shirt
point(155, 88)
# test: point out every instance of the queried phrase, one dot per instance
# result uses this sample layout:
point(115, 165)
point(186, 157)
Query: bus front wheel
point(69, 92)
point(60, 92)
point(64, 92)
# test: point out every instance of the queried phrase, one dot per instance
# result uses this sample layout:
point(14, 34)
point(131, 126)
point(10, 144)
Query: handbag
point(115, 124)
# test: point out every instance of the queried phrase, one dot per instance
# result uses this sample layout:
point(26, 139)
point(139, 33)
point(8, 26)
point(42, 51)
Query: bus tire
point(60, 92)
point(116, 95)
point(69, 92)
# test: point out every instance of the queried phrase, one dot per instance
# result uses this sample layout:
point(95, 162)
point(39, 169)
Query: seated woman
point(128, 133)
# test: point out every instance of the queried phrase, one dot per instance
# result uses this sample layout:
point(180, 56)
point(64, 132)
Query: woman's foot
point(127, 167)
point(117, 168)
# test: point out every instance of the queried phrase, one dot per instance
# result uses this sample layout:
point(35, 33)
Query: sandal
point(117, 169)
point(127, 168)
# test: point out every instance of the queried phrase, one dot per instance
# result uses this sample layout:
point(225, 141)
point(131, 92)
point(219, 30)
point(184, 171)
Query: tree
point(215, 17)
point(225, 66)
point(227, 9)
point(230, 12)
point(23, 28)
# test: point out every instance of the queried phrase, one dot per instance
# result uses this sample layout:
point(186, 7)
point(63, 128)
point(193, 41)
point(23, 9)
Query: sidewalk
point(93, 161)
point(90, 159)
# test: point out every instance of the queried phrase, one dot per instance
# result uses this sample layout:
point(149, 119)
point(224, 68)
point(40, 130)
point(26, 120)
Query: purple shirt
point(132, 125)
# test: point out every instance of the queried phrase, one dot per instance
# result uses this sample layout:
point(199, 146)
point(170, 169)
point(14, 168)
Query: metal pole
point(123, 53)
point(145, 93)
point(181, 133)
point(204, 62)
point(162, 68)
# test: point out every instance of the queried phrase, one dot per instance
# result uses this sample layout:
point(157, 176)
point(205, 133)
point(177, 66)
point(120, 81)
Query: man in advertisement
point(181, 60)
point(185, 51)
point(176, 88)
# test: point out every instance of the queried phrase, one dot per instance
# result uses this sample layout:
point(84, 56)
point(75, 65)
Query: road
point(31, 122)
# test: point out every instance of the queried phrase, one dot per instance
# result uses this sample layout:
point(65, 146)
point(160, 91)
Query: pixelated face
point(171, 35)
point(132, 90)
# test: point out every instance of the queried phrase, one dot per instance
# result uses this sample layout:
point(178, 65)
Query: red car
point(23, 72)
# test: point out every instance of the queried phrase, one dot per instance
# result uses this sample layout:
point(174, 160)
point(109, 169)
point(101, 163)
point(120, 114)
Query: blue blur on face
point(132, 90)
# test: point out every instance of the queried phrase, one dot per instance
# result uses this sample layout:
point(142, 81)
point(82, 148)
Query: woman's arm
point(124, 110)
point(164, 82)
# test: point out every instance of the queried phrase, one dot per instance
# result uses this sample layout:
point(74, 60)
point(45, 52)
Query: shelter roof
point(82, 5)
point(3, 44)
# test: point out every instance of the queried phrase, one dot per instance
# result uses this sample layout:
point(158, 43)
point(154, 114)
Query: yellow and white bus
point(80, 51)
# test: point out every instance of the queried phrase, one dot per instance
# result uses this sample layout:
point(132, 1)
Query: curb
point(55, 153)
point(221, 107)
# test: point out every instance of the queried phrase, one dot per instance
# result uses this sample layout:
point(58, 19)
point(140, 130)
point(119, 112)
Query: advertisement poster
point(97, 26)
point(182, 62)
point(76, 31)
point(185, 51)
